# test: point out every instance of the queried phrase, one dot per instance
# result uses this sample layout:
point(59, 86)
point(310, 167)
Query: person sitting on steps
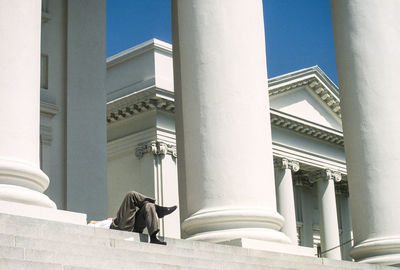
point(137, 212)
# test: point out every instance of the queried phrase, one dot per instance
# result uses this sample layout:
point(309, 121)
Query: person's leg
point(125, 219)
point(146, 217)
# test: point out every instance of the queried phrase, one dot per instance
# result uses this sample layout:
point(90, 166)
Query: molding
point(326, 174)
point(286, 164)
point(149, 99)
point(153, 98)
point(156, 148)
point(299, 125)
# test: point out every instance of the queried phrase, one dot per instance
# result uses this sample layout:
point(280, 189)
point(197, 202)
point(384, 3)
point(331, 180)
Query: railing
point(320, 252)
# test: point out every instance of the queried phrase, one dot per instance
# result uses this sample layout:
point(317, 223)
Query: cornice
point(146, 100)
point(299, 125)
point(150, 100)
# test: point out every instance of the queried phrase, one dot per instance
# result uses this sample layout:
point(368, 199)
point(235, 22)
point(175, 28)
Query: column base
point(219, 225)
point(384, 250)
point(18, 173)
point(23, 195)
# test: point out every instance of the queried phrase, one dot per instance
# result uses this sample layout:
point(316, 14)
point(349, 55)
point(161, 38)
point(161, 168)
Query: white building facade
point(306, 137)
point(256, 159)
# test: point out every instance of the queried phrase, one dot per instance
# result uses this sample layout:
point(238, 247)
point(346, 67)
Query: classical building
point(244, 157)
point(307, 143)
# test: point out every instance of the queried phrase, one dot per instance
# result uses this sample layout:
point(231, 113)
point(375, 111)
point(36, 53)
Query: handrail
point(320, 253)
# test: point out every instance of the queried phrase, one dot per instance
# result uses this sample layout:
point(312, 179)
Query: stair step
point(14, 264)
point(81, 247)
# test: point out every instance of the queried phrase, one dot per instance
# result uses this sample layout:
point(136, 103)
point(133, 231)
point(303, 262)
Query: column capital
point(156, 148)
point(325, 174)
point(286, 164)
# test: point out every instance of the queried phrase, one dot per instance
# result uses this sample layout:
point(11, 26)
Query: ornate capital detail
point(286, 164)
point(326, 175)
point(156, 148)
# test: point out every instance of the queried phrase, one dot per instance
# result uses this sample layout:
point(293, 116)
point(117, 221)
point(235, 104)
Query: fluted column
point(223, 124)
point(21, 179)
point(367, 39)
point(285, 195)
point(328, 222)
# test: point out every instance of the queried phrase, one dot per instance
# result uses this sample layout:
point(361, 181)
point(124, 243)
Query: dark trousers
point(136, 212)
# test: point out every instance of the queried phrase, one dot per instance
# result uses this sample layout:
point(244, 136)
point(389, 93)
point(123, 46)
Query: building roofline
point(152, 44)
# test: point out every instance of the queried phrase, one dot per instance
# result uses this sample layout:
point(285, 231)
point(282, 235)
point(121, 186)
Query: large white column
point(21, 179)
point(367, 42)
point(328, 222)
point(285, 195)
point(219, 53)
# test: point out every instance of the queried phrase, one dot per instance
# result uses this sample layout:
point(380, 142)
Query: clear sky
point(298, 32)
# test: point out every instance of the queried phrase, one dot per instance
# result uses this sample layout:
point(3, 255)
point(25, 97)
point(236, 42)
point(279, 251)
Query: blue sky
point(298, 32)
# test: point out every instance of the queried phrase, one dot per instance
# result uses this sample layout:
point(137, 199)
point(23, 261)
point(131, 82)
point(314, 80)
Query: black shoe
point(155, 240)
point(163, 211)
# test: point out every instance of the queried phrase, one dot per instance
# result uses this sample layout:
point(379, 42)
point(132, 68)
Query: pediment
point(303, 104)
point(306, 95)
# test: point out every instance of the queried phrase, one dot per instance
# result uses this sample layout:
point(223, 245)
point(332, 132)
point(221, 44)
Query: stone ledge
point(271, 246)
point(19, 209)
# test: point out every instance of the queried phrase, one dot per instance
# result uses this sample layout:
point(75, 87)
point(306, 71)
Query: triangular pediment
point(306, 94)
point(302, 104)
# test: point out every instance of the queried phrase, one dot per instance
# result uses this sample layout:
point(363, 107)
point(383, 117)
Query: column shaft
point(307, 208)
point(328, 222)
point(367, 42)
point(285, 197)
point(21, 179)
point(223, 79)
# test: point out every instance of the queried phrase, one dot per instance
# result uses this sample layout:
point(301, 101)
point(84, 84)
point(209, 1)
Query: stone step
point(100, 261)
point(146, 253)
point(97, 248)
point(14, 264)
point(141, 252)
point(217, 252)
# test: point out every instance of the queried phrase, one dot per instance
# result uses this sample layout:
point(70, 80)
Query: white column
point(367, 42)
point(328, 222)
point(165, 182)
point(219, 49)
point(285, 195)
point(21, 179)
